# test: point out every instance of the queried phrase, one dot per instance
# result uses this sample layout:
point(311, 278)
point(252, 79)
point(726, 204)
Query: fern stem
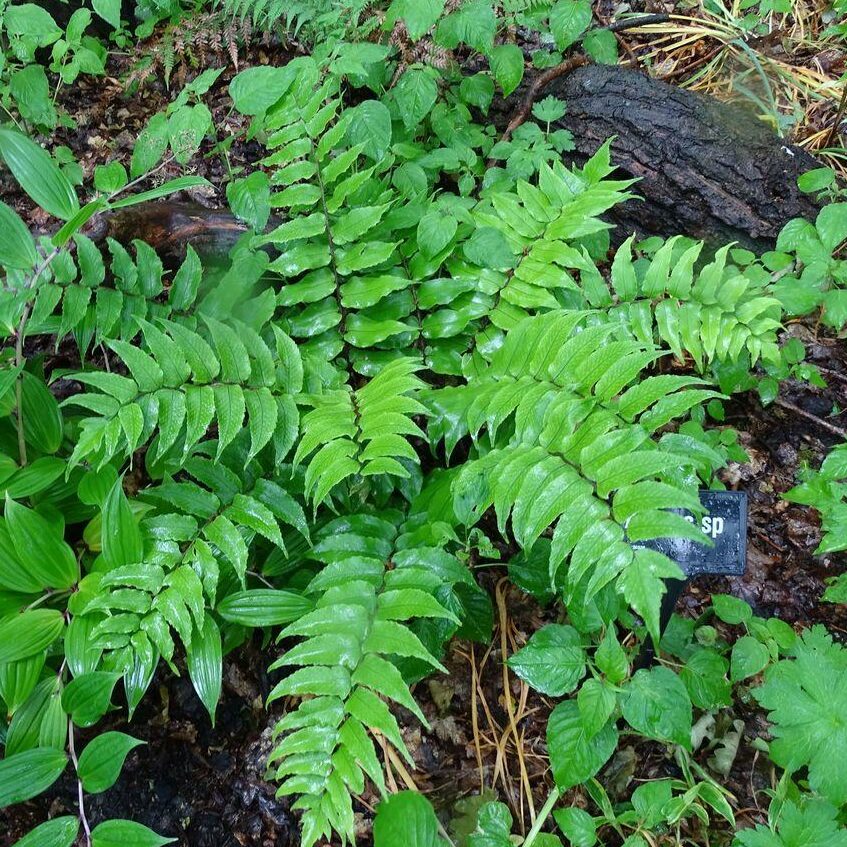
point(80, 793)
point(330, 242)
point(551, 801)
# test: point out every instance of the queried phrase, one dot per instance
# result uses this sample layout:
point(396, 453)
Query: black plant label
point(724, 523)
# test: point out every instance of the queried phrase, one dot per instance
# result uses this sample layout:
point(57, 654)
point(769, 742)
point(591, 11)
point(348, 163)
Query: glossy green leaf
point(415, 93)
point(122, 543)
point(657, 705)
point(88, 697)
point(553, 660)
point(27, 774)
point(38, 175)
point(171, 186)
point(109, 10)
point(27, 723)
point(17, 248)
point(101, 761)
point(43, 425)
point(59, 832)
point(576, 756)
point(263, 607)
point(507, 65)
point(121, 833)
point(749, 657)
point(40, 548)
point(577, 825)
point(406, 818)
point(29, 633)
point(255, 90)
point(419, 16)
point(205, 664)
point(17, 680)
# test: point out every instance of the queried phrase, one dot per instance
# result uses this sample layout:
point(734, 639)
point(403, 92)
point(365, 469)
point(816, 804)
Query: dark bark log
point(169, 226)
point(708, 169)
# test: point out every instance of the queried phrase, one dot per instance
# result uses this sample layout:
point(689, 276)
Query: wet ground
point(204, 785)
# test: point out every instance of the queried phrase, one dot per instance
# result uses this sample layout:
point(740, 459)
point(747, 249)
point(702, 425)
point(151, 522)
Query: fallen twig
point(835, 430)
point(576, 61)
point(641, 20)
point(541, 81)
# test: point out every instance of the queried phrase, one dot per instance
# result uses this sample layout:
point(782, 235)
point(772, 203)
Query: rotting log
point(707, 169)
point(171, 225)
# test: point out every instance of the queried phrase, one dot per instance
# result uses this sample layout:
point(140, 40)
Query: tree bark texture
point(707, 169)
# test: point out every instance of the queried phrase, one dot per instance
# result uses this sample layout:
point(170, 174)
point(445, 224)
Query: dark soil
point(204, 785)
point(199, 783)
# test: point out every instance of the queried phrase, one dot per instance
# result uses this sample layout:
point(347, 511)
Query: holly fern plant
point(53, 681)
point(415, 366)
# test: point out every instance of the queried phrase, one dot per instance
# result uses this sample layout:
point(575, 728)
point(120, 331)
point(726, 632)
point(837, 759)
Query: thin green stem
point(44, 598)
point(546, 809)
point(79, 789)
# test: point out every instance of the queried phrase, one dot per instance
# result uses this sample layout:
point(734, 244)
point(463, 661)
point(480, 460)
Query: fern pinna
point(361, 432)
point(713, 315)
point(186, 382)
point(82, 296)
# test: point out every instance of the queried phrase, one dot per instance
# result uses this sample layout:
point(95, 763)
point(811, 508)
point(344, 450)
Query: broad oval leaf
point(255, 90)
point(263, 607)
point(60, 832)
point(101, 761)
point(27, 774)
point(28, 634)
point(40, 549)
point(656, 704)
point(88, 697)
point(205, 664)
point(120, 833)
point(575, 754)
point(405, 818)
point(38, 174)
point(749, 657)
point(552, 662)
point(17, 248)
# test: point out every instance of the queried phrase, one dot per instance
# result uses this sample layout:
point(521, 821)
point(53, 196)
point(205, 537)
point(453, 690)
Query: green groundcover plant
point(423, 355)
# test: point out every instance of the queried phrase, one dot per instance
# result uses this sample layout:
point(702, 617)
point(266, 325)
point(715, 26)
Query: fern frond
point(96, 303)
point(540, 223)
point(227, 511)
point(578, 452)
point(344, 669)
point(713, 315)
point(371, 278)
point(184, 382)
point(273, 14)
point(189, 552)
point(361, 432)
